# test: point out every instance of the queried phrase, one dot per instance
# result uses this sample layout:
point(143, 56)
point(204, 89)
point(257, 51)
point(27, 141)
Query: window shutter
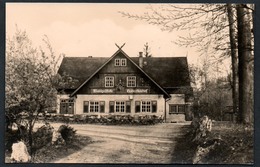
point(137, 106)
point(128, 107)
point(85, 109)
point(111, 106)
point(102, 107)
point(154, 106)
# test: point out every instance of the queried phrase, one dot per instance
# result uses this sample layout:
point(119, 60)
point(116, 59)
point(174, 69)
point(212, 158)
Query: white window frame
point(146, 106)
point(120, 106)
point(131, 81)
point(117, 62)
point(123, 62)
point(109, 81)
point(94, 106)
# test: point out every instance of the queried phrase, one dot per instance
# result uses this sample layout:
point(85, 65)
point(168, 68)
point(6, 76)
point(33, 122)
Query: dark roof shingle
point(80, 68)
point(168, 72)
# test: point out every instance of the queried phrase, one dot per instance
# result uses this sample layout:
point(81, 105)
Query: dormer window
point(120, 62)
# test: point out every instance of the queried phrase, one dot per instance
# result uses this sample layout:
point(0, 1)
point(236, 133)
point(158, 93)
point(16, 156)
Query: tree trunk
point(30, 138)
point(234, 56)
point(245, 71)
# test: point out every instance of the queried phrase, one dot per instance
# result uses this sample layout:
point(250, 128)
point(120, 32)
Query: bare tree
point(210, 26)
point(203, 23)
point(147, 50)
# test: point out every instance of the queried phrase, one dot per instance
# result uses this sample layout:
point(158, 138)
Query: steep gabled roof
point(165, 72)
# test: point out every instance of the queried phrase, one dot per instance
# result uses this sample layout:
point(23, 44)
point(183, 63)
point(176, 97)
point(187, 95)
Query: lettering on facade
point(137, 90)
point(102, 90)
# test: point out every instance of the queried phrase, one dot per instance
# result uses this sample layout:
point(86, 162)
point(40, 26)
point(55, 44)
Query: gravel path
point(127, 144)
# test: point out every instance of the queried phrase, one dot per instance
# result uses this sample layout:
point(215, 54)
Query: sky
point(87, 29)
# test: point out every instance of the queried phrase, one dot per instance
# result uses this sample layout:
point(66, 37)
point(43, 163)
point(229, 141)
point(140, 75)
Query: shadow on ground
point(184, 150)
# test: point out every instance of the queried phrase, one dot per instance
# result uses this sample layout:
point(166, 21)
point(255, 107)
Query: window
point(117, 62)
point(173, 109)
point(109, 81)
point(177, 109)
point(146, 106)
point(94, 106)
point(85, 107)
point(123, 62)
point(181, 109)
point(120, 62)
point(120, 106)
point(131, 81)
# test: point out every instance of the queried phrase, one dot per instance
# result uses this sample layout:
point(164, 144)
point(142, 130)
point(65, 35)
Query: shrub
point(42, 136)
point(11, 138)
point(67, 132)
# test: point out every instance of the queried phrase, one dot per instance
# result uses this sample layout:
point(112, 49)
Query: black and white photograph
point(129, 83)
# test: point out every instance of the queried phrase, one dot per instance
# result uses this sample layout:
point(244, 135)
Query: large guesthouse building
point(123, 85)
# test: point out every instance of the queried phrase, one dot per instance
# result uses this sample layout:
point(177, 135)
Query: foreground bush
point(42, 136)
point(106, 119)
point(67, 132)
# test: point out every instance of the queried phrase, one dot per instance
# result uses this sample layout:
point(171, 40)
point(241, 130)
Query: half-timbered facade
point(126, 85)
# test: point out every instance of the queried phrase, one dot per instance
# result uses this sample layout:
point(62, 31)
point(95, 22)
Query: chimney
point(141, 59)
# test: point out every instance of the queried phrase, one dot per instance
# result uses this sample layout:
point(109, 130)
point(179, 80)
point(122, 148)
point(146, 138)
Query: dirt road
point(127, 144)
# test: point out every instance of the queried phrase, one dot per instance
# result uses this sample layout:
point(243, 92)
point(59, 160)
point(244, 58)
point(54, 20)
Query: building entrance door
point(67, 107)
